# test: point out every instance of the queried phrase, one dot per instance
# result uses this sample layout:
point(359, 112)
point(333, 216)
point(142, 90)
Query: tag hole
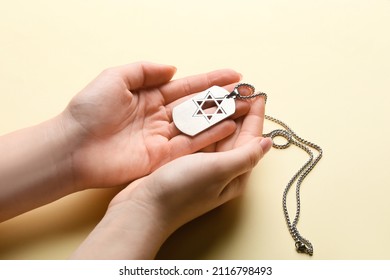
point(209, 107)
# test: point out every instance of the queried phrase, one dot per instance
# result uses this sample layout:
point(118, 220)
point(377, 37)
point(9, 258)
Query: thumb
point(243, 158)
point(145, 74)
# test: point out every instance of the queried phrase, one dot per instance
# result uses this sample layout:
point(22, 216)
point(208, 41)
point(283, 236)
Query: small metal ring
point(236, 93)
point(245, 85)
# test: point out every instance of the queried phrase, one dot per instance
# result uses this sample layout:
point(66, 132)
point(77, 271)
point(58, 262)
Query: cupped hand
point(143, 215)
point(146, 212)
point(121, 123)
point(208, 178)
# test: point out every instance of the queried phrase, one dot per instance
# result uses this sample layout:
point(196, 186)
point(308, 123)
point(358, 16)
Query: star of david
point(209, 106)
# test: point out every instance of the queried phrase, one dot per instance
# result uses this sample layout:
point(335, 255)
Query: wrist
point(36, 168)
point(127, 231)
point(68, 136)
point(61, 145)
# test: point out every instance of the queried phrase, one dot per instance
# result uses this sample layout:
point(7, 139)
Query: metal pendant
point(204, 110)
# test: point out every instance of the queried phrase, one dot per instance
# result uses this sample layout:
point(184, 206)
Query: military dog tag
point(204, 110)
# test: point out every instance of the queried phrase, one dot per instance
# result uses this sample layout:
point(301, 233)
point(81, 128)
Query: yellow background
point(324, 64)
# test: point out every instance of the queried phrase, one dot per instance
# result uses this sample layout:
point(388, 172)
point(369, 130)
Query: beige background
point(324, 64)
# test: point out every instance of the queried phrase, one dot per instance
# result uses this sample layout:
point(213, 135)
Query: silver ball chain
point(302, 245)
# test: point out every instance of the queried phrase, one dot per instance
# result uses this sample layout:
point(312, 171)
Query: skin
point(141, 217)
point(119, 129)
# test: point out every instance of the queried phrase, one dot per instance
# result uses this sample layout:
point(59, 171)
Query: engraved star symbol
point(209, 107)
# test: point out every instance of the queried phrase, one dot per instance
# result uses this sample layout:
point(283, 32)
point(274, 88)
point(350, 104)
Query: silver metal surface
point(204, 110)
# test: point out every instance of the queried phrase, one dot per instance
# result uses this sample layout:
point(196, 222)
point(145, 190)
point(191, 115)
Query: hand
point(144, 214)
point(121, 123)
point(117, 129)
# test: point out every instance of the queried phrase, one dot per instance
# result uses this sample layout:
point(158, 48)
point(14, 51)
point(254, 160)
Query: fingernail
point(266, 144)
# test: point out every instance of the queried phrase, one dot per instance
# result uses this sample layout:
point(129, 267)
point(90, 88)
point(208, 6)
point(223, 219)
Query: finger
point(209, 149)
point(249, 125)
point(183, 144)
point(144, 74)
point(252, 124)
point(244, 158)
point(193, 84)
point(242, 109)
point(232, 168)
point(235, 187)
